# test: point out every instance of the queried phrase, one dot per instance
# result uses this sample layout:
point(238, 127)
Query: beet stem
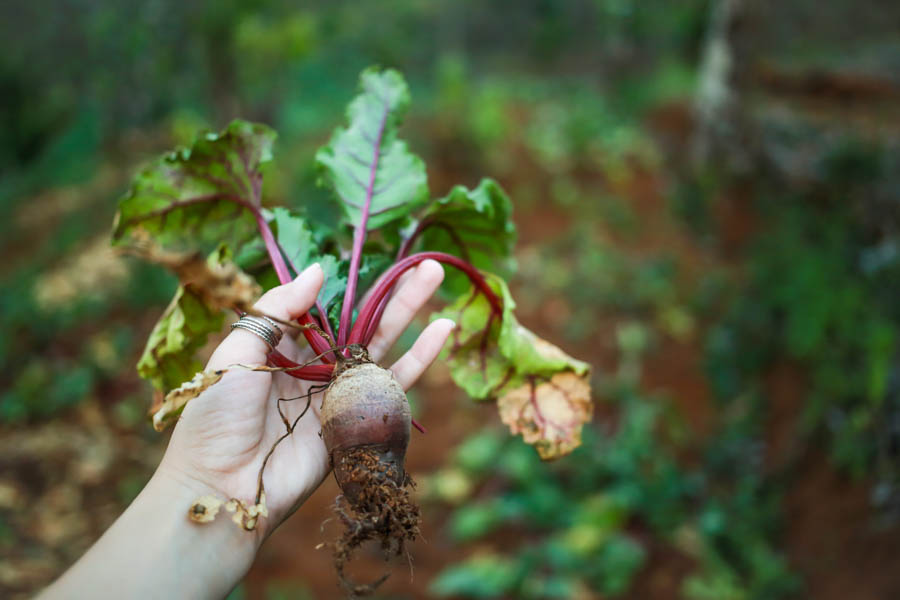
point(359, 236)
point(424, 224)
point(321, 373)
point(388, 280)
point(316, 342)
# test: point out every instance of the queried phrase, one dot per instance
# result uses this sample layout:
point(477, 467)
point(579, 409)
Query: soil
point(381, 510)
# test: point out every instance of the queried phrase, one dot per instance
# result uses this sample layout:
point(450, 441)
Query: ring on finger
point(263, 327)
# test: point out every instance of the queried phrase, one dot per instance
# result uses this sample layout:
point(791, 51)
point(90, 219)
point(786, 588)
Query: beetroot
point(365, 408)
point(366, 426)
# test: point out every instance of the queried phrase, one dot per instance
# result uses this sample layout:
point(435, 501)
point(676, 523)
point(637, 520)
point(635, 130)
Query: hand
point(153, 550)
point(224, 434)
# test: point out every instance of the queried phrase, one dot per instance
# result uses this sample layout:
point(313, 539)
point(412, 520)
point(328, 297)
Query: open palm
point(225, 433)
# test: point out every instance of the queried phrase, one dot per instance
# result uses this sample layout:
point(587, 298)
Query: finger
point(411, 365)
point(404, 305)
point(401, 281)
point(285, 302)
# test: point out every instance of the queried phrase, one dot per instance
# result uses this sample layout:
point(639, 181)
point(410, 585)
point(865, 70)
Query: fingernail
point(309, 270)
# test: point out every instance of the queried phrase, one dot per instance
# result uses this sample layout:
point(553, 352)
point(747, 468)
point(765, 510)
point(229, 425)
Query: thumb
point(286, 303)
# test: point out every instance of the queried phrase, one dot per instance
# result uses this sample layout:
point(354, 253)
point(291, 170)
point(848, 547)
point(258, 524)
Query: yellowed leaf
point(218, 282)
point(205, 509)
point(247, 516)
point(175, 401)
point(549, 414)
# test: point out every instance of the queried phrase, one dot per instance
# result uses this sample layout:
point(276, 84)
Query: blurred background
point(708, 199)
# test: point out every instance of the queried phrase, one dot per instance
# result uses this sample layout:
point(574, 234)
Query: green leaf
point(473, 224)
point(492, 353)
point(168, 359)
point(542, 392)
point(475, 519)
point(482, 576)
point(371, 267)
point(366, 162)
point(200, 196)
point(298, 243)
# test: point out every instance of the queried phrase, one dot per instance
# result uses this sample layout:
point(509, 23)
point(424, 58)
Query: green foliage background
point(629, 252)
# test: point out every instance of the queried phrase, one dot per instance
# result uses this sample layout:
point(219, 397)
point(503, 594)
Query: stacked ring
point(263, 327)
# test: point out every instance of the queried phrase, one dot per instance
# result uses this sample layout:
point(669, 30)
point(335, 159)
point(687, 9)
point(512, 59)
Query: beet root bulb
point(366, 427)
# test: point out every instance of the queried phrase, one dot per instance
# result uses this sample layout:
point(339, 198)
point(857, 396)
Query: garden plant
point(200, 211)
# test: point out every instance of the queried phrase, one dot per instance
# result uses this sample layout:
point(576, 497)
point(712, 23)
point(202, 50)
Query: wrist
point(154, 550)
point(181, 489)
point(209, 558)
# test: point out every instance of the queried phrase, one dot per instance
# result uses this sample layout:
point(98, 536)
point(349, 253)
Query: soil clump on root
point(383, 511)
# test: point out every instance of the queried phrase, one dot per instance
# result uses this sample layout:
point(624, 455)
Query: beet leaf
point(475, 225)
point(202, 196)
point(168, 358)
point(542, 392)
point(365, 164)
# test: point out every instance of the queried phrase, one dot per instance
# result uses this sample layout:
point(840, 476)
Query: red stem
point(281, 269)
point(308, 373)
point(316, 342)
point(406, 246)
point(359, 238)
point(322, 321)
point(376, 319)
point(390, 277)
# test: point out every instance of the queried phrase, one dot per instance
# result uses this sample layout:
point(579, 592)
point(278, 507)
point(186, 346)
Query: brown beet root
point(365, 407)
point(366, 426)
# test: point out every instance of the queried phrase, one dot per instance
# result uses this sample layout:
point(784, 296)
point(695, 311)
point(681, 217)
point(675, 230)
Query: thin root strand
point(384, 513)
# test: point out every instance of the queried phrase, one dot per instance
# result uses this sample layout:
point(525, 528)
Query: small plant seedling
point(199, 211)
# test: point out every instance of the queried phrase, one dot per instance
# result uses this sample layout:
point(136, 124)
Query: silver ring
point(263, 327)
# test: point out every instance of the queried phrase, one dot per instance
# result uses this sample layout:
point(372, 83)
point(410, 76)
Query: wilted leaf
point(202, 196)
point(473, 224)
point(491, 353)
point(168, 358)
point(493, 356)
point(247, 516)
point(216, 280)
point(177, 399)
point(205, 509)
point(549, 415)
point(366, 161)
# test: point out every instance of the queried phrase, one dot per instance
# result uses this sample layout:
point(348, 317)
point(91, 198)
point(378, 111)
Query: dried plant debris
point(175, 401)
point(205, 509)
point(549, 414)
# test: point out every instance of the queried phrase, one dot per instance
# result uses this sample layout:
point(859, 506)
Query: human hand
point(153, 550)
point(224, 434)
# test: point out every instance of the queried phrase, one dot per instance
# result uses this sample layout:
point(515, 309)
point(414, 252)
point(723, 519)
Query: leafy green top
point(367, 163)
point(210, 196)
point(204, 195)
